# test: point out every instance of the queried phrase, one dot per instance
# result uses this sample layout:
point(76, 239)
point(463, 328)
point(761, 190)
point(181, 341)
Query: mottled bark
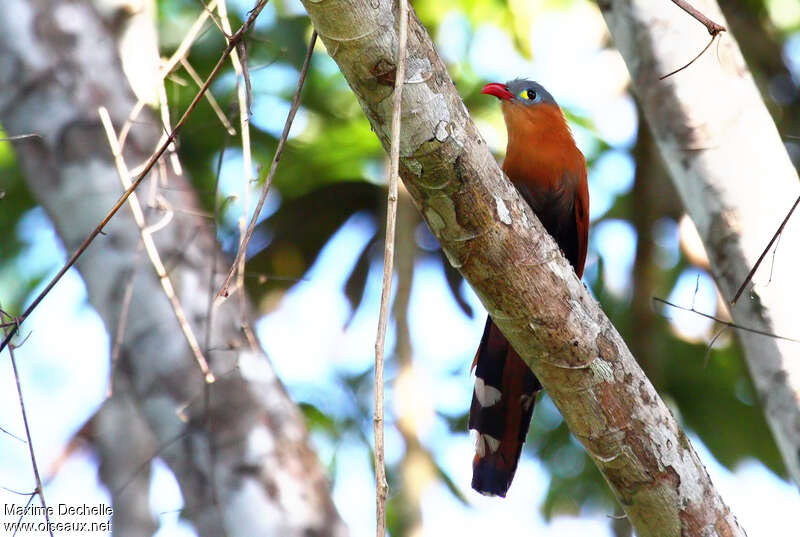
point(237, 447)
point(499, 246)
point(735, 179)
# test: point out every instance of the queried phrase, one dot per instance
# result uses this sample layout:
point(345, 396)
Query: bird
point(549, 171)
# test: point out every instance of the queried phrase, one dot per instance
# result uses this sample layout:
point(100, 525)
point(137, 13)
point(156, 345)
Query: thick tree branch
point(729, 165)
point(500, 247)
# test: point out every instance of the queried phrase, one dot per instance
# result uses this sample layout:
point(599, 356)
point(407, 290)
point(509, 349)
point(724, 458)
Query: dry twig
point(381, 486)
point(243, 97)
point(19, 137)
point(191, 36)
point(723, 322)
point(753, 270)
point(6, 431)
point(225, 289)
point(681, 68)
point(39, 489)
point(163, 107)
point(713, 28)
point(209, 97)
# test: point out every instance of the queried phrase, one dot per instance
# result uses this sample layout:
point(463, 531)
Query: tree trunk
point(238, 447)
point(494, 239)
point(732, 172)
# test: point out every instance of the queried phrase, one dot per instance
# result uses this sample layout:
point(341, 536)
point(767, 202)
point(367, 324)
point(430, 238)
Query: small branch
point(39, 489)
point(237, 37)
point(217, 23)
point(6, 431)
point(191, 36)
point(753, 270)
point(381, 486)
point(19, 137)
point(679, 69)
point(128, 125)
point(213, 273)
point(711, 343)
point(18, 492)
point(151, 249)
point(727, 323)
point(224, 290)
point(163, 107)
point(712, 27)
point(243, 96)
point(209, 97)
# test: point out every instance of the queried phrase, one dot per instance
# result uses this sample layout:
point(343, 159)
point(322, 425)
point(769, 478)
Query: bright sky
point(64, 373)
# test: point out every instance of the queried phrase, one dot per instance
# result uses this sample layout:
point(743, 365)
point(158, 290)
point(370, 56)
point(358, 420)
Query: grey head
point(529, 92)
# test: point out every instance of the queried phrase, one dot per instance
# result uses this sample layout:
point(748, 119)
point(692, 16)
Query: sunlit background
point(320, 303)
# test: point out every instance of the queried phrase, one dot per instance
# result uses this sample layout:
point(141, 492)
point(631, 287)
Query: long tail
point(500, 415)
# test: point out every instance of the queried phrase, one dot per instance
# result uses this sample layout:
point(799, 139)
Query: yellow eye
point(528, 94)
point(523, 94)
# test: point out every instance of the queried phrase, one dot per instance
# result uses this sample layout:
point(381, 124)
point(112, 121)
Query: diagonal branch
point(243, 94)
point(491, 235)
point(774, 238)
point(209, 97)
point(712, 27)
point(723, 322)
point(287, 127)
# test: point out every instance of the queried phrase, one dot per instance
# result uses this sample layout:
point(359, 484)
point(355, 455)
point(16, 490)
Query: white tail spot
point(480, 445)
point(486, 395)
point(482, 441)
point(492, 442)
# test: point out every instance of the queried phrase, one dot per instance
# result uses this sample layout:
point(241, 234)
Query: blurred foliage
point(15, 200)
point(334, 169)
point(16, 281)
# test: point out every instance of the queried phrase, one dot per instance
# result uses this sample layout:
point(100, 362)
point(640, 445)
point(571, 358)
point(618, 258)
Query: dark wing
point(582, 224)
point(564, 213)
